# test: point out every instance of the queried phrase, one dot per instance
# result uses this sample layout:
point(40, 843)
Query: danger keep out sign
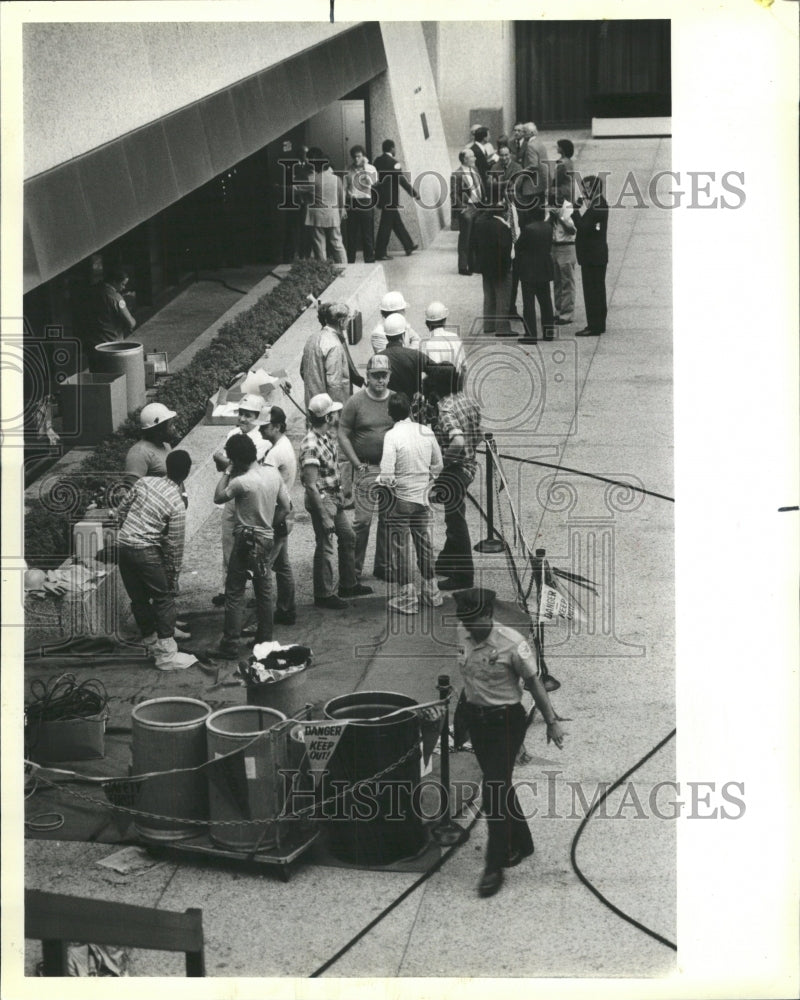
point(321, 739)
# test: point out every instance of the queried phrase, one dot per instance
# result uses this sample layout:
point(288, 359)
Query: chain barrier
point(299, 814)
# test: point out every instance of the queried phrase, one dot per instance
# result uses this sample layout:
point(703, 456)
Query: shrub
point(239, 343)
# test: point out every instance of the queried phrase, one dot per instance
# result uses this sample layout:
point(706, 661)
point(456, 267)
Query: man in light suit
point(535, 161)
point(466, 194)
point(326, 210)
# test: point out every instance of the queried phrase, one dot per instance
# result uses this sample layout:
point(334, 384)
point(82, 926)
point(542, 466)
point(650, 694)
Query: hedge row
point(239, 343)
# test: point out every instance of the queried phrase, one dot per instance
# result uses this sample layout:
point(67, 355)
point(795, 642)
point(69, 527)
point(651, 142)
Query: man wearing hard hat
point(392, 303)
point(249, 422)
point(148, 457)
point(443, 345)
point(406, 366)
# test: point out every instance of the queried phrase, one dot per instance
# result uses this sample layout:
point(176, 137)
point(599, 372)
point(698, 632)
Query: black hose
point(587, 475)
point(573, 850)
point(396, 902)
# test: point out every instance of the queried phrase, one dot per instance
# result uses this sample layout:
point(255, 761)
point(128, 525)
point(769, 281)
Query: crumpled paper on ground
point(129, 861)
point(73, 579)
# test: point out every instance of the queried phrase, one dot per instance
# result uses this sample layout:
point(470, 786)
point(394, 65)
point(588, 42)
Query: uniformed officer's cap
point(474, 602)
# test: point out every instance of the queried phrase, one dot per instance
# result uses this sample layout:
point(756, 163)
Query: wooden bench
point(56, 920)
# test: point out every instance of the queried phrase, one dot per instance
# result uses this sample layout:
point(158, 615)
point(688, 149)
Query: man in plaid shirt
point(456, 421)
point(319, 458)
point(150, 538)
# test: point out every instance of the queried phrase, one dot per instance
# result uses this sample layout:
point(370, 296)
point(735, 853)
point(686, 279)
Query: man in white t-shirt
point(281, 456)
point(248, 423)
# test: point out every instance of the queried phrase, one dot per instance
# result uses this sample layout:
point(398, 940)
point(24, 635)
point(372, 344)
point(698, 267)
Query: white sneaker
point(405, 603)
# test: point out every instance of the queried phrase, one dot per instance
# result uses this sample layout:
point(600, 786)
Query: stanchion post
point(446, 831)
point(491, 543)
point(550, 683)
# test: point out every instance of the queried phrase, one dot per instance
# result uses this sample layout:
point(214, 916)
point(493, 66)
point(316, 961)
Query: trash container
point(379, 824)
point(287, 695)
point(169, 735)
point(250, 786)
point(125, 357)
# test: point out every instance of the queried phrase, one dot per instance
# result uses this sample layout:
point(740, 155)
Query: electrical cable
point(219, 281)
point(587, 475)
point(240, 291)
point(573, 850)
point(395, 903)
point(60, 699)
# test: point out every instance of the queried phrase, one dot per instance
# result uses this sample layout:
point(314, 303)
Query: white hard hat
point(394, 325)
point(435, 311)
point(155, 413)
point(250, 401)
point(393, 302)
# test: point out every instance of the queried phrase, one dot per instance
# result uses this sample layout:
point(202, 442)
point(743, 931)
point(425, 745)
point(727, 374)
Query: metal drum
point(169, 734)
point(123, 357)
point(250, 786)
point(381, 824)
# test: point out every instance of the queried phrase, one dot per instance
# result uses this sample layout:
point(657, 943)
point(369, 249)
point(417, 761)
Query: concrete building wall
point(475, 69)
point(398, 98)
point(85, 84)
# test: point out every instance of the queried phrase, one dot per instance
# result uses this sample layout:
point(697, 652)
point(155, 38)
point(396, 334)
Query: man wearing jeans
point(151, 537)
point(411, 459)
point(319, 460)
point(281, 456)
point(456, 421)
point(365, 421)
point(261, 503)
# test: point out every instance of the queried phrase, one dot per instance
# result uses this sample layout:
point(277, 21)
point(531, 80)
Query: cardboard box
point(222, 408)
point(66, 740)
point(93, 405)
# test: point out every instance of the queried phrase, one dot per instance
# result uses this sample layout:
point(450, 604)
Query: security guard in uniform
point(496, 662)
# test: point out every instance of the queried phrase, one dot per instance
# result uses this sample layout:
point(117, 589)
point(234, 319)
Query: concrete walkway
point(599, 406)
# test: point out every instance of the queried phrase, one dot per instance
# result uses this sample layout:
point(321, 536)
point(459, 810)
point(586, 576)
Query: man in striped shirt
point(457, 425)
point(151, 538)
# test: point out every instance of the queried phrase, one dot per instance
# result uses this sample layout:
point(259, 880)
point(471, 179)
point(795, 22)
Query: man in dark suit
point(466, 194)
point(485, 155)
point(390, 179)
point(503, 174)
point(535, 267)
point(591, 247)
point(493, 254)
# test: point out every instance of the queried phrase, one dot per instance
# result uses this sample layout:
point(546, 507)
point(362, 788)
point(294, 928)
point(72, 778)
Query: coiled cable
point(60, 699)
